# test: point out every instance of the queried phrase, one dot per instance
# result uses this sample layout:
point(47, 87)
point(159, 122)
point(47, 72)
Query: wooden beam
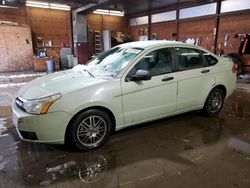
point(177, 24)
point(217, 25)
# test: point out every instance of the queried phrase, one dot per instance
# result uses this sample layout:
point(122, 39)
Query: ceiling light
point(59, 6)
point(4, 6)
point(102, 10)
point(115, 11)
point(109, 12)
point(39, 4)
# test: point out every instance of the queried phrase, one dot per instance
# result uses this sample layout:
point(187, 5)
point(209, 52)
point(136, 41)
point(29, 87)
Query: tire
point(90, 129)
point(214, 102)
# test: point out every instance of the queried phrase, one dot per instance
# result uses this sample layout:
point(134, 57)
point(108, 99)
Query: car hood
point(59, 82)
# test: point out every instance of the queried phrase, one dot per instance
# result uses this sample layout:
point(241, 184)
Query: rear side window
point(188, 58)
point(210, 59)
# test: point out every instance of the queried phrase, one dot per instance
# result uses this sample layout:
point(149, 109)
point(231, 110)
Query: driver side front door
point(154, 98)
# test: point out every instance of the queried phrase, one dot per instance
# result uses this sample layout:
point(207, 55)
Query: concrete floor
point(188, 150)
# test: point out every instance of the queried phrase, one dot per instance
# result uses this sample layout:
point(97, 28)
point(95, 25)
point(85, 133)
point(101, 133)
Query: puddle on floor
point(239, 145)
point(3, 128)
point(6, 99)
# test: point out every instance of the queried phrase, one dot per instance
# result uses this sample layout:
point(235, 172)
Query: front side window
point(188, 58)
point(156, 62)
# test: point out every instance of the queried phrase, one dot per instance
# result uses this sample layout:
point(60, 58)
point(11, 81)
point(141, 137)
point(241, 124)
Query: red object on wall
point(82, 52)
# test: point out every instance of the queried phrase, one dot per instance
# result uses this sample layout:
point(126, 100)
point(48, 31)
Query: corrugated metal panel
point(165, 16)
point(233, 5)
point(139, 21)
point(197, 11)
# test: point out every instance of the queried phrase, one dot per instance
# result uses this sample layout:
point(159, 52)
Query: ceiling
point(139, 6)
point(73, 3)
point(130, 7)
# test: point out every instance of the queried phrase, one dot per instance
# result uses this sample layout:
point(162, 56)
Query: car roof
point(152, 43)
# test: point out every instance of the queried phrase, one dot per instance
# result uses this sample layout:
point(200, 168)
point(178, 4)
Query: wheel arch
point(205, 109)
point(110, 113)
point(221, 87)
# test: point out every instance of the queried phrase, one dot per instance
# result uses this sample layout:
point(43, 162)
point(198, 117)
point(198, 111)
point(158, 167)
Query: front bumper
point(46, 128)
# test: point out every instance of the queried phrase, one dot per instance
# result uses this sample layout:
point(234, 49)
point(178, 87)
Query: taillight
point(249, 62)
point(234, 68)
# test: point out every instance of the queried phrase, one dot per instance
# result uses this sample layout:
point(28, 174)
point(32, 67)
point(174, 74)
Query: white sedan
point(130, 84)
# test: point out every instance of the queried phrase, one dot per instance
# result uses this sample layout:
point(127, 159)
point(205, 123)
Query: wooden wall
point(230, 25)
point(167, 27)
point(14, 15)
point(105, 22)
point(51, 25)
point(135, 30)
point(15, 48)
point(203, 29)
point(163, 30)
point(54, 25)
point(197, 28)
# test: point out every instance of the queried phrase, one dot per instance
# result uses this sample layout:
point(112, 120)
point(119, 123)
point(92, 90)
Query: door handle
point(205, 71)
point(167, 79)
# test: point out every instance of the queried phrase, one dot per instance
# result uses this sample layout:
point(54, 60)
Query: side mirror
point(140, 75)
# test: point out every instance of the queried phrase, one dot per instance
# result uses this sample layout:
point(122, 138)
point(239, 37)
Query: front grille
point(20, 103)
point(29, 135)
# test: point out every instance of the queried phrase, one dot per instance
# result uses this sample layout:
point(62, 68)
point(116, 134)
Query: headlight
point(40, 106)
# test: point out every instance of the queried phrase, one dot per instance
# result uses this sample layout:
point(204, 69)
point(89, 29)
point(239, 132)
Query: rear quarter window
point(210, 59)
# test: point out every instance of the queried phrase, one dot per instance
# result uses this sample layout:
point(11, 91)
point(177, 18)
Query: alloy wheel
point(215, 102)
point(91, 131)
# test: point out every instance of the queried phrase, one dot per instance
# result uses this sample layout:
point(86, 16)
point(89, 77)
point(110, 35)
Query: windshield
point(111, 62)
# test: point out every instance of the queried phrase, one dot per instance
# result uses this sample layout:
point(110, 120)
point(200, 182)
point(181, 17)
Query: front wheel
point(90, 129)
point(214, 102)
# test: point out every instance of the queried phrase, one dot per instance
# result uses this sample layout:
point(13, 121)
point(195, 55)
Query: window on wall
point(163, 17)
point(138, 21)
point(203, 10)
point(234, 5)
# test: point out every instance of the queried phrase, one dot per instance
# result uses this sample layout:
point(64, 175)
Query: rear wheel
point(90, 129)
point(214, 102)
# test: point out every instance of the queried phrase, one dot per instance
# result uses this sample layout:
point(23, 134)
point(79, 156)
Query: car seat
point(163, 65)
point(182, 61)
point(194, 62)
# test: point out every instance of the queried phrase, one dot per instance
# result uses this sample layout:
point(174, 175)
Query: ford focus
point(127, 85)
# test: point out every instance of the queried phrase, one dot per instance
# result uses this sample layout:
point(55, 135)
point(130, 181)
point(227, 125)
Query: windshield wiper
point(86, 70)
